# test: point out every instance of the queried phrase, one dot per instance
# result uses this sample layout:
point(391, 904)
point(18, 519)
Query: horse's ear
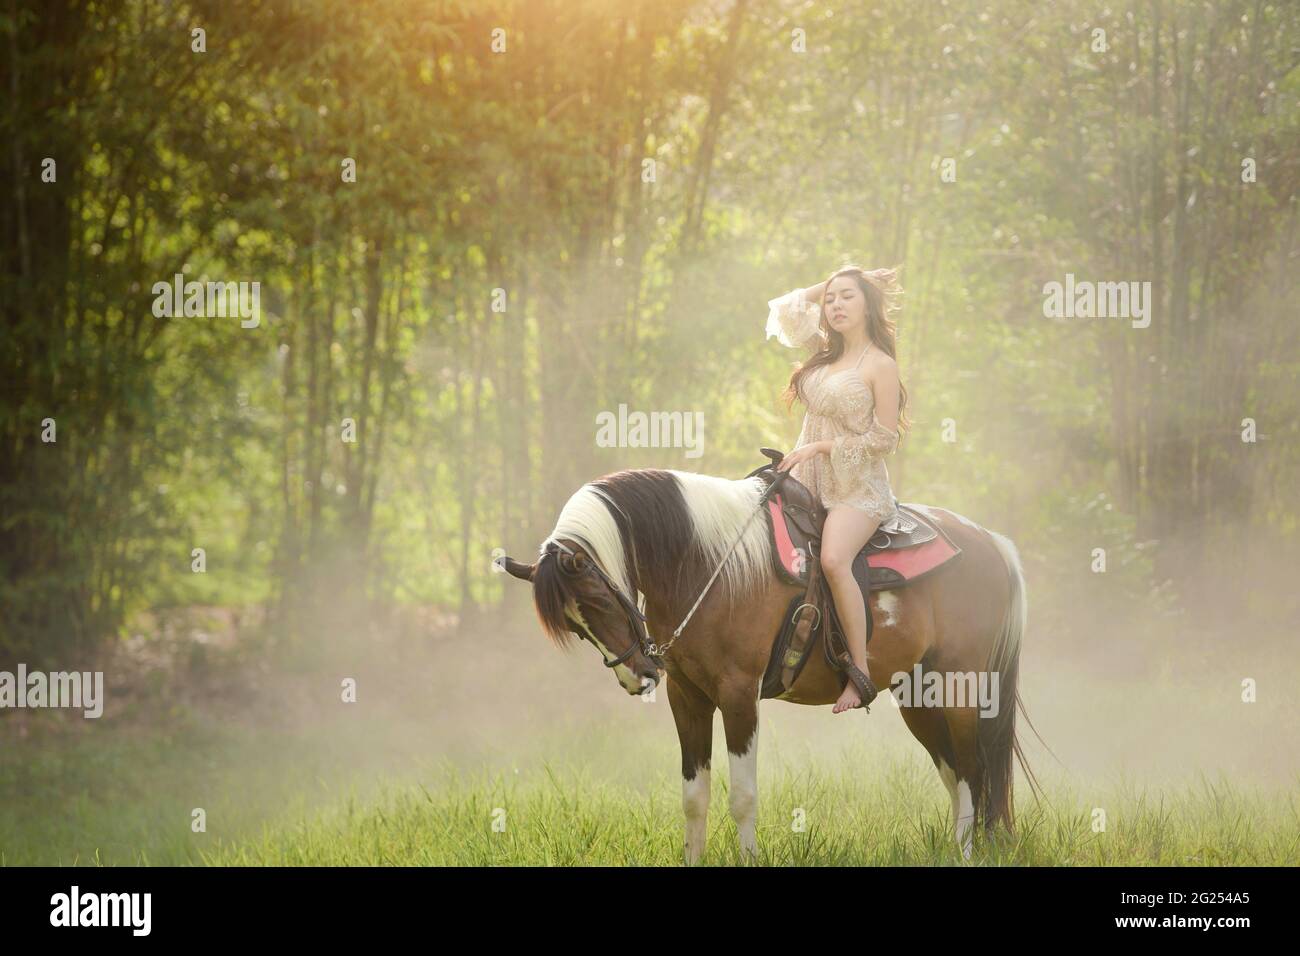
point(523, 572)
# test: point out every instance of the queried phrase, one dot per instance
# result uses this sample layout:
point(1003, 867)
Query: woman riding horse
point(855, 418)
point(636, 552)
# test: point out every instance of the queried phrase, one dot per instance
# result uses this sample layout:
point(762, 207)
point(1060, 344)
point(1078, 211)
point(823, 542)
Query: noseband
point(652, 651)
point(635, 617)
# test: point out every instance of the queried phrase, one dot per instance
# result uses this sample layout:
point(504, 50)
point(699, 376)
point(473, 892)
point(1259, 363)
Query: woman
point(855, 417)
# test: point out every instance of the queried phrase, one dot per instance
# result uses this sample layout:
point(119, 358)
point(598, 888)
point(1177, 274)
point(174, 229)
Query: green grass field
point(268, 805)
point(566, 819)
point(419, 770)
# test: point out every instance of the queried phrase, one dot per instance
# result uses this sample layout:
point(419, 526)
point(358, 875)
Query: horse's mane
point(660, 532)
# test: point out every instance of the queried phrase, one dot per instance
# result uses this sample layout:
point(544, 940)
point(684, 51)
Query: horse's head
point(664, 534)
point(576, 598)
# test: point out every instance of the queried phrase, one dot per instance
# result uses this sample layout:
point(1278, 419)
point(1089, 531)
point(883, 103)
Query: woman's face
point(844, 305)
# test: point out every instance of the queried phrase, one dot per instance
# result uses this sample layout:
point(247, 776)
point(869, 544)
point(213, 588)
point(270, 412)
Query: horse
point(632, 550)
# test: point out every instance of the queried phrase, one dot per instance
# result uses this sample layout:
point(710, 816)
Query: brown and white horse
point(663, 533)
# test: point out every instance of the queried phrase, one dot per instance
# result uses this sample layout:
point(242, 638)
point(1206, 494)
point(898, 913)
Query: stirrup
point(866, 689)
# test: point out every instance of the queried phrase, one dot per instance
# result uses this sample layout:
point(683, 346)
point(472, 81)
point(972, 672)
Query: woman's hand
point(804, 452)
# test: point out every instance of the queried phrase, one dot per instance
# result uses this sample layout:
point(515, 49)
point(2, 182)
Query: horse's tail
point(996, 736)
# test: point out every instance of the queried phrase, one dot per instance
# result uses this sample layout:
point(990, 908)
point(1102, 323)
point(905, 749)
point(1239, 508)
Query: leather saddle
point(904, 548)
point(795, 520)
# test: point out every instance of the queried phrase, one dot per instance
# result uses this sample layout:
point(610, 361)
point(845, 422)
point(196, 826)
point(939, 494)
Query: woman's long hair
point(882, 292)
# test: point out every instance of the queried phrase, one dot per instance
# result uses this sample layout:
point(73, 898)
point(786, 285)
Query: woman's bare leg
point(845, 533)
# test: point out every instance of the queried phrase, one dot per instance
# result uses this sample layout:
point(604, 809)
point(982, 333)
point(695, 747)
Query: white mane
point(718, 508)
point(585, 518)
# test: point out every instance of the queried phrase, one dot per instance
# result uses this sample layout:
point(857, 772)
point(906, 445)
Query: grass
point(412, 774)
point(900, 819)
point(127, 799)
point(335, 797)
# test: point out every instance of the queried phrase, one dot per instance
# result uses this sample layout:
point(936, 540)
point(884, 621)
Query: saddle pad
point(900, 566)
point(790, 559)
point(890, 568)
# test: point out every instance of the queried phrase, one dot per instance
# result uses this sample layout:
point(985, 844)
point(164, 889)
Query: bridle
point(635, 616)
point(640, 627)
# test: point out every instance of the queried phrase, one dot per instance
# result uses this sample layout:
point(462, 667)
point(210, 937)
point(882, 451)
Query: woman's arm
point(878, 431)
point(885, 391)
point(878, 435)
point(815, 293)
point(794, 320)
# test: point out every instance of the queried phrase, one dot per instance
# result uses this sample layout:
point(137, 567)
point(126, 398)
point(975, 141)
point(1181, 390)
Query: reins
point(640, 626)
point(740, 537)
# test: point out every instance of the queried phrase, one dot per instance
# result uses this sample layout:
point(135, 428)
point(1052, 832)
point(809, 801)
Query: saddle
point(905, 548)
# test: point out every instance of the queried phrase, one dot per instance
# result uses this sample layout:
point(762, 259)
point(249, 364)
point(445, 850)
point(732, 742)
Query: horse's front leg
point(693, 714)
point(739, 705)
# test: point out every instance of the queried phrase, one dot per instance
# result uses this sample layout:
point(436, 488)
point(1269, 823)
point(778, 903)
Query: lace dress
point(841, 408)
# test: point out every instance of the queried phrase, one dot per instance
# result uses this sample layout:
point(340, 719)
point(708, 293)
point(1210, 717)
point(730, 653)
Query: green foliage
point(526, 171)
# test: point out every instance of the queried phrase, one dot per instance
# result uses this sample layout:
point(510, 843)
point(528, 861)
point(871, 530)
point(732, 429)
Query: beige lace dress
point(841, 408)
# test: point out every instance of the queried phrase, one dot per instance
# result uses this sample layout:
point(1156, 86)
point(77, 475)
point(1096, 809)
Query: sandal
point(866, 689)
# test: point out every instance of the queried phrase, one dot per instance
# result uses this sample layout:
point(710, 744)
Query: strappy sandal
point(866, 689)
